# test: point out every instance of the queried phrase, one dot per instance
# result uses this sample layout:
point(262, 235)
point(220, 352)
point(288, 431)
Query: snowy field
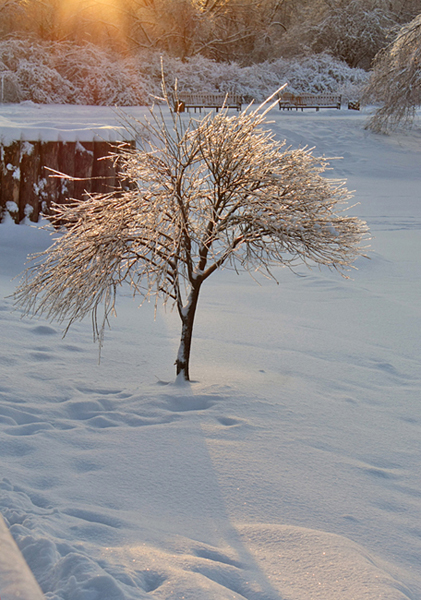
point(290, 469)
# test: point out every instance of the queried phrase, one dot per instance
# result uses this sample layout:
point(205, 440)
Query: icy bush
point(62, 72)
point(320, 73)
point(44, 85)
point(9, 86)
point(312, 74)
point(54, 72)
point(101, 79)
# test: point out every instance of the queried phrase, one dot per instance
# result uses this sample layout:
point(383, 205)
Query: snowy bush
point(100, 79)
point(44, 85)
point(53, 72)
point(312, 74)
point(10, 90)
point(62, 72)
point(320, 73)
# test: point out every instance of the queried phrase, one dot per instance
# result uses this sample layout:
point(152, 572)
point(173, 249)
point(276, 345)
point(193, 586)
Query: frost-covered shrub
point(197, 74)
point(32, 64)
point(42, 84)
point(312, 74)
point(176, 224)
point(319, 74)
point(63, 72)
point(99, 78)
point(54, 72)
point(10, 90)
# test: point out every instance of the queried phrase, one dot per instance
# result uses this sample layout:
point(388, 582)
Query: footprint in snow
point(41, 356)
point(190, 403)
point(228, 421)
point(43, 330)
point(28, 429)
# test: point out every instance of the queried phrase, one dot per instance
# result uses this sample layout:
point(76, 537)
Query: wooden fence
point(28, 187)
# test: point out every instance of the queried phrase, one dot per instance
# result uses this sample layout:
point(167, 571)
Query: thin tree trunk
point(187, 315)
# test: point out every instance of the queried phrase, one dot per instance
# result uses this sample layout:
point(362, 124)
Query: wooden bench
point(288, 101)
point(185, 100)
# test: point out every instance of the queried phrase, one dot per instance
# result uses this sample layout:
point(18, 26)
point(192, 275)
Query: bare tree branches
point(205, 194)
point(396, 79)
point(351, 30)
point(246, 31)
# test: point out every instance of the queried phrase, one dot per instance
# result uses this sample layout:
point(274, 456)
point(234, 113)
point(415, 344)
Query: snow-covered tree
point(11, 11)
point(204, 194)
point(243, 30)
point(396, 79)
point(353, 30)
point(350, 30)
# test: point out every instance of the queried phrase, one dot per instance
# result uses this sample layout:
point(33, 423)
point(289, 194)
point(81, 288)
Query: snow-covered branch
point(396, 79)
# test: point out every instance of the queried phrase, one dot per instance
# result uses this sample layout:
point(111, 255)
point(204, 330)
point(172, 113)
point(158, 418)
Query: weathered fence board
point(30, 161)
point(84, 160)
point(66, 160)
point(48, 187)
point(103, 169)
point(10, 179)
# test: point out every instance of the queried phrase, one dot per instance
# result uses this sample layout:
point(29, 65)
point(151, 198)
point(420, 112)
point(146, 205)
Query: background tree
point(246, 31)
point(11, 11)
point(218, 192)
point(405, 10)
point(243, 30)
point(354, 30)
point(396, 79)
point(351, 30)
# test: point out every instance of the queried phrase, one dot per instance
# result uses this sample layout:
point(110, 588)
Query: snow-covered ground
point(55, 122)
point(289, 469)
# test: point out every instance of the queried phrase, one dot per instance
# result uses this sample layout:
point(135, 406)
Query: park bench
point(186, 100)
point(288, 101)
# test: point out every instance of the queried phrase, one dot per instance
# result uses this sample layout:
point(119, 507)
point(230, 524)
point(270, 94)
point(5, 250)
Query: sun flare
point(93, 20)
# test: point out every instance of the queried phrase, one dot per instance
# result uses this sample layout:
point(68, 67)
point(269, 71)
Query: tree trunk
point(187, 314)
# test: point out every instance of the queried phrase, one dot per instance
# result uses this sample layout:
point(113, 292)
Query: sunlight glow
point(92, 20)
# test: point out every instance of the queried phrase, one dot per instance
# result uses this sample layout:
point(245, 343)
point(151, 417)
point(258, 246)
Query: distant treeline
point(245, 31)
